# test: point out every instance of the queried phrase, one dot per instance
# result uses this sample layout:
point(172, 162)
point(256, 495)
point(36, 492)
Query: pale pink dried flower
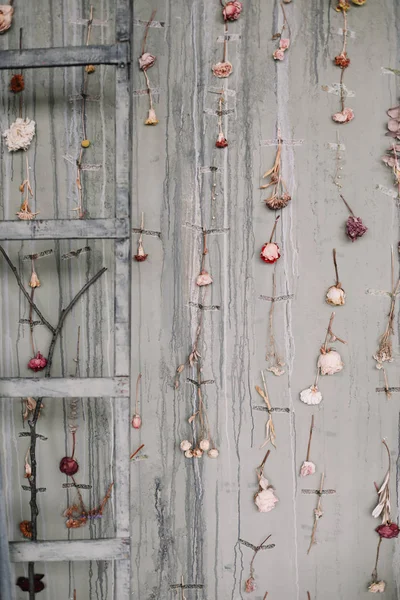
point(213, 453)
point(232, 10)
point(197, 453)
point(377, 587)
point(279, 54)
point(307, 468)
point(250, 585)
point(204, 445)
point(222, 69)
point(34, 281)
point(311, 395)
point(37, 363)
point(330, 362)
point(204, 279)
point(284, 43)
point(345, 116)
point(185, 445)
point(6, 14)
point(265, 498)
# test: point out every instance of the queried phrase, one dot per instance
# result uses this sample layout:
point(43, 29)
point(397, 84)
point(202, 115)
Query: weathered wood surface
point(58, 387)
point(74, 550)
point(7, 588)
point(64, 229)
point(187, 517)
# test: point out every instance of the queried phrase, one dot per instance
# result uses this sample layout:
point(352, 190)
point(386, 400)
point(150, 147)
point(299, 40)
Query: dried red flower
point(17, 83)
point(388, 530)
point(355, 228)
point(232, 10)
point(270, 252)
point(25, 528)
point(136, 421)
point(69, 466)
point(342, 60)
point(23, 583)
point(221, 142)
point(37, 363)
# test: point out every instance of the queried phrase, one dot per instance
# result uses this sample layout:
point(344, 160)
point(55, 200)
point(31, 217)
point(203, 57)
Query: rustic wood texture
point(187, 517)
point(66, 229)
point(77, 550)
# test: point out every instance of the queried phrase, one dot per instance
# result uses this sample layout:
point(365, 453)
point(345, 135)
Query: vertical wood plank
point(7, 587)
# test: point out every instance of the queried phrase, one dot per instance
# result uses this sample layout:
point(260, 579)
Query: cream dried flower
point(213, 453)
point(377, 586)
point(185, 445)
point(20, 135)
point(197, 453)
point(152, 117)
point(204, 279)
point(265, 498)
point(189, 454)
point(307, 468)
point(6, 15)
point(34, 281)
point(311, 395)
point(204, 445)
point(330, 362)
point(336, 296)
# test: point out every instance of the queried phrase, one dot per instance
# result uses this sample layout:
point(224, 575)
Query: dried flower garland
point(280, 196)
point(146, 61)
point(137, 419)
point(270, 435)
point(141, 255)
point(221, 142)
point(272, 356)
point(265, 498)
point(6, 15)
point(385, 349)
point(308, 467)
point(355, 228)
point(77, 515)
point(204, 278)
point(342, 61)
point(270, 251)
point(388, 529)
point(318, 514)
point(329, 363)
point(250, 583)
point(336, 295)
point(284, 42)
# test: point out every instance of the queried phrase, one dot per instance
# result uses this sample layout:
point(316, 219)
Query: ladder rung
point(54, 387)
point(61, 229)
point(64, 550)
point(69, 56)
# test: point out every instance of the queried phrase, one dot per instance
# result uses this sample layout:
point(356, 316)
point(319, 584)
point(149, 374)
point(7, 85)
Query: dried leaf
point(180, 368)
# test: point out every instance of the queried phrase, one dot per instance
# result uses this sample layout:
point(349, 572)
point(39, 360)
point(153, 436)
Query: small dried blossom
point(388, 530)
point(355, 228)
point(34, 280)
point(185, 445)
point(20, 135)
point(25, 528)
point(189, 453)
point(265, 498)
point(336, 295)
point(141, 255)
point(6, 15)
point(392, 160)
point(213, 453)
point(307, 468)
point(37, 363)
point(342, 60)
point(270, 252)
point(250, 585)
point(136, 421)
point(38, 585)
point(204, 445)
point(311, 395)
point(278, 54)
point(17, 83)
point(151, 118)
point(232, 10)
point(90, 69)
point(222, 69)
point(280, 196)
point(330, 362)
point(29, 409)
point(359, 2)
point(377, 587)
point(344, 116)
point(197, 453)
point(221, 142)
point(342, 5)
point(284, 43)
point(204, 279)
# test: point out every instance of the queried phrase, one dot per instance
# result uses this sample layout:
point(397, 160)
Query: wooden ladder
point(117, 387)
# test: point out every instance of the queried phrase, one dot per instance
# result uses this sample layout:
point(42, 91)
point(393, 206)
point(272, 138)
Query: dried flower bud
point(377, 586)
point(222, 69)
point(197, 453)
point(17, 83)
point(185, 445)
point(279, 54)
point(85, 143)
point(90, 69)
point(330, 362)
point(34, 282)
point(68, 466)
point(37, 363)
point(311, 395)
point(204, 445)
point(307, 468)
point(6, 14)
point(359, 2)
point(25, 528)
point(213, 453)
point(265, 498)
point(355, 228)
point(221, 141)
point(141, 254)
point(23, 583)
point(204, 279)
point(277, 202)
point(270, 253)
point(250, 585)
point(232, 10)
point(343, 5)
point(345, 116)
point(342, 60)
point(388, 530)
point(146, 61)
point(284, 43)
point(335, 296)
point(189, 453)
point(152, 118)
point(28, 470)
point(136, 421)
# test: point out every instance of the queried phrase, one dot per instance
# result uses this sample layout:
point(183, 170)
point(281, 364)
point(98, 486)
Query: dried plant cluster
point(146, 62)
point(385, 348)
point(283, 36)
point(231, 11)
point(279, 195)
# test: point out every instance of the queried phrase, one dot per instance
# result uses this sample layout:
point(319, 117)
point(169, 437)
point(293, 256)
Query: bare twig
point(317, 514)
point(310, 438)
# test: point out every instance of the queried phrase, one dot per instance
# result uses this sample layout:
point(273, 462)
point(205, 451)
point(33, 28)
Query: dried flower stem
point(146, 31)
point(285, 22)
point(310, 438)
point(374, 574)
point(330, 336)
point(258, 548)
point(269, 426)
point(31, 322)
point(136, 452)
point(272, 353)
point(137, 393)
point(387, 391)
point(205, 250)
point(266, 594)
point(225, 54)
point(338, 166)
point(336, 268)
point(274, 228)
point(385, 344)
point(317, 514)
point(345, 32)
point(308, 596)
point(350, 211)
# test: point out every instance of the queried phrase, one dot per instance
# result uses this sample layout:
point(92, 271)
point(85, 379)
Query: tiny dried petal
point(221, 141)
point(152, 118)
point(270, 253)
point(185, 445)
point(335, 296)
point(307, 468)
point(146, 61)
point(330, 363)
point(222, 69)
point(377, 586)
point(204, 279)
point(279, 54)
point(213, 453)
point(388, 530)
point(17, 83)
point(204, 445)
point(232, 10)
point(311, 395)
point(355, 228)
point(37, 363)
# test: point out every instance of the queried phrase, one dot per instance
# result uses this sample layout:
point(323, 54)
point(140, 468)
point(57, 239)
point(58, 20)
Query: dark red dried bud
point(388, 530)
point(23, 583)
point(342, 60)
point(355, 228)
point(17, 83)
point(37, 363)
point(221, 141)
point(68, 466)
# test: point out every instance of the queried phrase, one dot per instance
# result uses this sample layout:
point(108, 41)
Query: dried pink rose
point(279, 54)
point(185, 445)
point(345, 116)
point(221, 141)
point(232, 10)
point(265, 498)
point(330, 362)
point(270, 252)
point(146, 61)
point(311, 395)
point(204, 279)
point(284, 43)
point(250, 585)
point(213, 453)
point(355, 228)
point(37, 363)
point(222, 69)
point(307, 468)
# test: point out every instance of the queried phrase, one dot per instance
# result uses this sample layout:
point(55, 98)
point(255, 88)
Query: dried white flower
point(336, 296)
point(6, 15)
point(307, 468)
point(185, 445)
point(311, 395)
point(204, 445)
point(213, 453)
point(265, 498)
point(197, 453)
point(377, 586)
point(189, 453)
point(20, 134)
point(330, 362)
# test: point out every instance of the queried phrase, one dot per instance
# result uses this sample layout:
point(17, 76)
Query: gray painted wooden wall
point(187, 516)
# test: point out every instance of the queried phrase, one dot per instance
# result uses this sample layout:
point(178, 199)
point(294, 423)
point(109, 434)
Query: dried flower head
point(17, 83)
point(307, 468)
point(90, 69)
point(270, 252)
point(278, 202)
point(6, 15)
point(146, 61)
point(342, 60)
point(265, 498)
point(68, 466)
point(279, 54)
point(197, 453)
point(23, 583)
point(342, 5)
point(141, 254)
point(204, 445)
point(222, 69)
point(37, 363)
point(30, 405)
point(136, 421)
point(185, 445)
point(152, 117)
point(311, 395)
point(204, 279)
point(221, 142)
point(25, 528)
point(189, 453)
point(388, 530)
point(344, 116)
point(355, 228)
point(329, 362)
point(377, 587)
point(213, 453)
point(335, 296)
point(20, 134)
point(250, 585)
point(34, 280)
point(232, 10)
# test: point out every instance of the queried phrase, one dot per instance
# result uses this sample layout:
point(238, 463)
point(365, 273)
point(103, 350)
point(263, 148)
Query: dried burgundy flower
point(342, 60)
point(23, 583)
point(221, 141)
point(388, 530)
point(69, 466)
point(37, 363)
point(232, 10)
point(17, 83)
point(355, 228)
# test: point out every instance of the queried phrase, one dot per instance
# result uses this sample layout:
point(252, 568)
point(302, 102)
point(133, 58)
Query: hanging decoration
point(308, 467)
point(342, 61)
point(388, 530)
point(270, 435)
point(250, 583)
point(265, 498)
point(280, 196)
point(146, 61)
point(221, 142)
point(137, 419)
point(141, 256)
point(6, 15)
point(385, 348)
point(77, 515)
point(355, 228)
point(204, 278)
point(336, 294)
point(284, 42)
point(270, 251)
